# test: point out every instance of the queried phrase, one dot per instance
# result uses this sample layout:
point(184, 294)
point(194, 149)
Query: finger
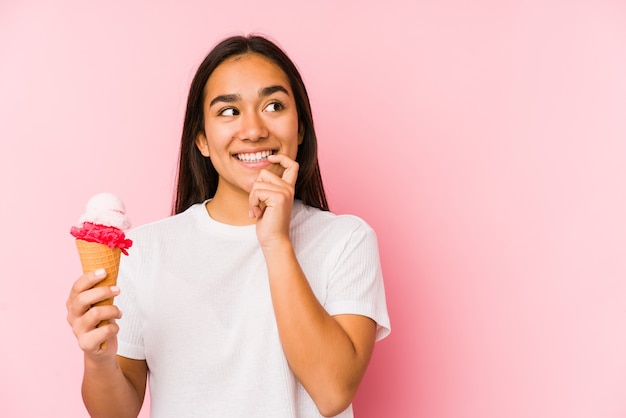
point(290, 175)
point(93, 317)
point(260, 195)
point(268, 190)
point(264, 181)
point(256, 204)
point(87, 281)
point(86, 299)
point(268, 177)
point(92, 342)
point(82, 302)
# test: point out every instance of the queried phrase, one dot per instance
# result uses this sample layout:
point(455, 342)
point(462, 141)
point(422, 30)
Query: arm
point(328, 355)
point(112, 386)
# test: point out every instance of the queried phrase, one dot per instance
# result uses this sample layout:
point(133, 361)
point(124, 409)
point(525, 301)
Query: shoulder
point(317, 224)
point(307, 215)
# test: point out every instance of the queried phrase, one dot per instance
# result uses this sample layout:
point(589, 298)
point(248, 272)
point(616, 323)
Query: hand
point(271, 201)
point(83, 317)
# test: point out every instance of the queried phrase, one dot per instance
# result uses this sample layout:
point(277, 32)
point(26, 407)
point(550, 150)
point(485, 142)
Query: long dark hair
point(197, 178)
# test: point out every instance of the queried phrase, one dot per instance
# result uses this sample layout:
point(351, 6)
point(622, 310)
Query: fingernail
point(115, 289)
point(250, 213)
point(100, 273)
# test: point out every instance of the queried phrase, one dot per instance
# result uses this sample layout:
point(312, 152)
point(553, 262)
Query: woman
point(253, 299)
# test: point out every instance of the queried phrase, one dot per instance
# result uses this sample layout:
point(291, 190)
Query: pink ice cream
point(104, 222)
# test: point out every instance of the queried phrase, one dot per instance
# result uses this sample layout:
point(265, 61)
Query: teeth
point(254, 156)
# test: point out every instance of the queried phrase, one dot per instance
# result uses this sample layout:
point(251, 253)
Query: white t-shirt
point(197, 307)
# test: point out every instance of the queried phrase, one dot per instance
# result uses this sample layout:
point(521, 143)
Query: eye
point(229, 111)
point(274, 107)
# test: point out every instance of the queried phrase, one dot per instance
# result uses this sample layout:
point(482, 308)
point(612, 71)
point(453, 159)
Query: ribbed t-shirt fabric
point(196, 306)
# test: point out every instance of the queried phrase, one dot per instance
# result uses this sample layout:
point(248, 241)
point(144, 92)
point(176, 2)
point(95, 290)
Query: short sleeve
point(356, 282)
point(130, 338)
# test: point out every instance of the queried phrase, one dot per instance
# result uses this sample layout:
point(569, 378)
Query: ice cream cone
point(94, 256)
point(100, 240)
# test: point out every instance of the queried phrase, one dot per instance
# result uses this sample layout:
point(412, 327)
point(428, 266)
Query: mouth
point(254, 157)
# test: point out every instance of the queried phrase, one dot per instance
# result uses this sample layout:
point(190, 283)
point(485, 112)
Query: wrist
point(277, 247)
point(100, 361)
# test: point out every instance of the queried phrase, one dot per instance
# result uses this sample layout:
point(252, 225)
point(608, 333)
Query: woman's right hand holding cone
point(113, 386)
point(83, 317)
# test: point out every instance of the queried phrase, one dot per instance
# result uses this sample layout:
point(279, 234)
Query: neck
point(230, 208)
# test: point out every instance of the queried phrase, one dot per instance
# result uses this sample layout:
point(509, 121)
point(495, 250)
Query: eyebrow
point(264, 92)
point(227, 98)
point(267, 91)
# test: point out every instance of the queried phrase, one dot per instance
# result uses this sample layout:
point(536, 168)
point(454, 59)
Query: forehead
point(243, 72)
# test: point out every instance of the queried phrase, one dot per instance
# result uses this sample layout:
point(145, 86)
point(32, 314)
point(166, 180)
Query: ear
point(300, 133)
point(202, 144)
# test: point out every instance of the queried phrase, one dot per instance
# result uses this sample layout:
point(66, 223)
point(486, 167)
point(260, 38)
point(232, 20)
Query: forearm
point(107, 392)
point(319, 351)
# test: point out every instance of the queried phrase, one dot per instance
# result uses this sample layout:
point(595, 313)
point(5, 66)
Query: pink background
point(484, 141)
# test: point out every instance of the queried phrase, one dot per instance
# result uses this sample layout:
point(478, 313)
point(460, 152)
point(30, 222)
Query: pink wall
point(485, 142)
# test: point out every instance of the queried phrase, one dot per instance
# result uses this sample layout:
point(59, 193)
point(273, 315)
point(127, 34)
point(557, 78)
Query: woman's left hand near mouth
point(271, 201)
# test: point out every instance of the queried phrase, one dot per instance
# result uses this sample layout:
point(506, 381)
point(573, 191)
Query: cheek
point(289, 135)
point(217, 138)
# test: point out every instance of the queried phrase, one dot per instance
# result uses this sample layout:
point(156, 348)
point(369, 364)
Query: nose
point(252, 127)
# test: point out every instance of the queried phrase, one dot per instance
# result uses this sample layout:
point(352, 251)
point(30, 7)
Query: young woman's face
point(249, 113)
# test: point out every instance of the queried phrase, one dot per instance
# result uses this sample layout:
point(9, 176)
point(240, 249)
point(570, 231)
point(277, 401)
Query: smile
point(254, 157)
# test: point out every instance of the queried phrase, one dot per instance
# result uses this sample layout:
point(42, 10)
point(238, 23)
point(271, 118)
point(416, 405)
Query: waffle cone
point(94, 256)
